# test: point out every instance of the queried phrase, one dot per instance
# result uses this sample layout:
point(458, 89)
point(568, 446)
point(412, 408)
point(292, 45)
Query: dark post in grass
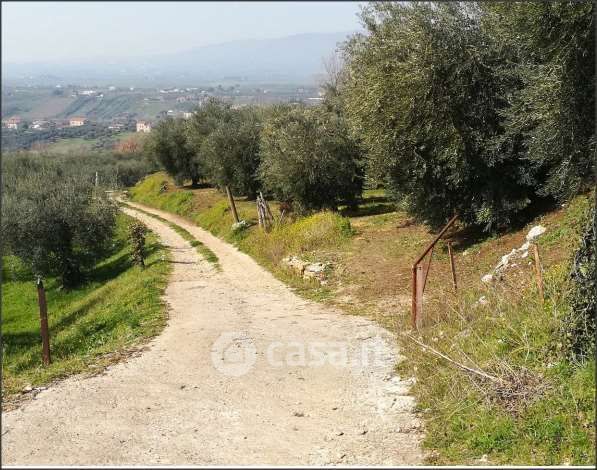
point(43, 317)
point(232, 204)
point(452, 265)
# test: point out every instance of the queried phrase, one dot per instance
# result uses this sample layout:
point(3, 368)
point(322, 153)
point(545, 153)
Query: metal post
point(419, 278)
point(538, 273)
point(43, 316)
point(420, 289)
point(426, 272)
point(452, 265)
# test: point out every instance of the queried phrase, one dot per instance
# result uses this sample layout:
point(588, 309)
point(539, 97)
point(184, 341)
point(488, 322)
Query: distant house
point(40, 124)
point(187, 115)
point(143, 126)
point(13, 123)
point(77, 121)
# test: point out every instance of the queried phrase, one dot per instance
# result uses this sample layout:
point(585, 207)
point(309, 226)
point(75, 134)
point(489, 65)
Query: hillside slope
point(539, 409)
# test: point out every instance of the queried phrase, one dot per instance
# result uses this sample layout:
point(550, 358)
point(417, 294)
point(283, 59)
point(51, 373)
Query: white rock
point(525, 247)
point(482, 300)
point(295, 263)
point(315, 267)
point(241, 225)
point(487, 278)
point(535, 232)
point(525, 254)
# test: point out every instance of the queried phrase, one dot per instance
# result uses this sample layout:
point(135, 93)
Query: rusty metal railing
point(419, 275)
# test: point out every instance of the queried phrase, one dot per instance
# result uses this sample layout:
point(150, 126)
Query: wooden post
point(420, 289)
point(452, 266)
point(538, 273)
point(413, 307)
point(258, 212)
point(267, 209)
point(43, 317)
point(232, 205)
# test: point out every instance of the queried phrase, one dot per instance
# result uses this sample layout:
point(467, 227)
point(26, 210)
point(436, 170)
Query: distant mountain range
point(296, 59)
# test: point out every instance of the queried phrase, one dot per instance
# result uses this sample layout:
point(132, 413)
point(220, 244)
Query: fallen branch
point(457, 364)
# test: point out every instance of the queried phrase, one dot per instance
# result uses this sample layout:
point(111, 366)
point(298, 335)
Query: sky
point(61, 31)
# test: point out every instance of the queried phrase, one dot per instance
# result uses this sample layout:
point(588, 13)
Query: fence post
point(420, 290)
point(232, 204)
point(43, 317)
point(538, 273)
point(452, 266)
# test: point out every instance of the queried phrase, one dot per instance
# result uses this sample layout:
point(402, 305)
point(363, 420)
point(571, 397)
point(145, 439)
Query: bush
point(137, 232)
point(580, 323)
point(308, 158)
point(55, 222)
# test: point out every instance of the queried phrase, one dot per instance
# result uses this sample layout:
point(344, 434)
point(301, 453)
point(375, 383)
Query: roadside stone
point(305, 269)
point(535, 232)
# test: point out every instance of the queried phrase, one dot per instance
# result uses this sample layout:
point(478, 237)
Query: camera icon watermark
point(233, 353)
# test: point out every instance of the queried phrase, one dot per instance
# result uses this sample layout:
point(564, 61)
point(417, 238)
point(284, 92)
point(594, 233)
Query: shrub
point(580, 323)
point(137, 231)
point(307, 157)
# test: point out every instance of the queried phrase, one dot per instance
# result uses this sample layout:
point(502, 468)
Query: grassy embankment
point(118, 307)
point(539, 409)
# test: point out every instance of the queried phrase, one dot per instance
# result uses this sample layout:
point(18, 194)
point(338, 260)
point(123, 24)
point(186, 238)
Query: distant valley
point(291, 59)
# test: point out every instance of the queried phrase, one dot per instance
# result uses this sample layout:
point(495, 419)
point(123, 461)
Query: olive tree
point(55, 221)
point(550, 67)
point(231, 152)
point(421, 94)
point(309, 159)
point(168, 145)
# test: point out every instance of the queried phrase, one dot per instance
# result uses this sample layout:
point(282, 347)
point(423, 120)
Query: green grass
point(518, 339)
point(118, 307)
point(204, 251)
point(154, 191)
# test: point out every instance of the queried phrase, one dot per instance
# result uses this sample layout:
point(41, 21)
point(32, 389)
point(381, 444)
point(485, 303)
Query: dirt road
point(245, 372)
